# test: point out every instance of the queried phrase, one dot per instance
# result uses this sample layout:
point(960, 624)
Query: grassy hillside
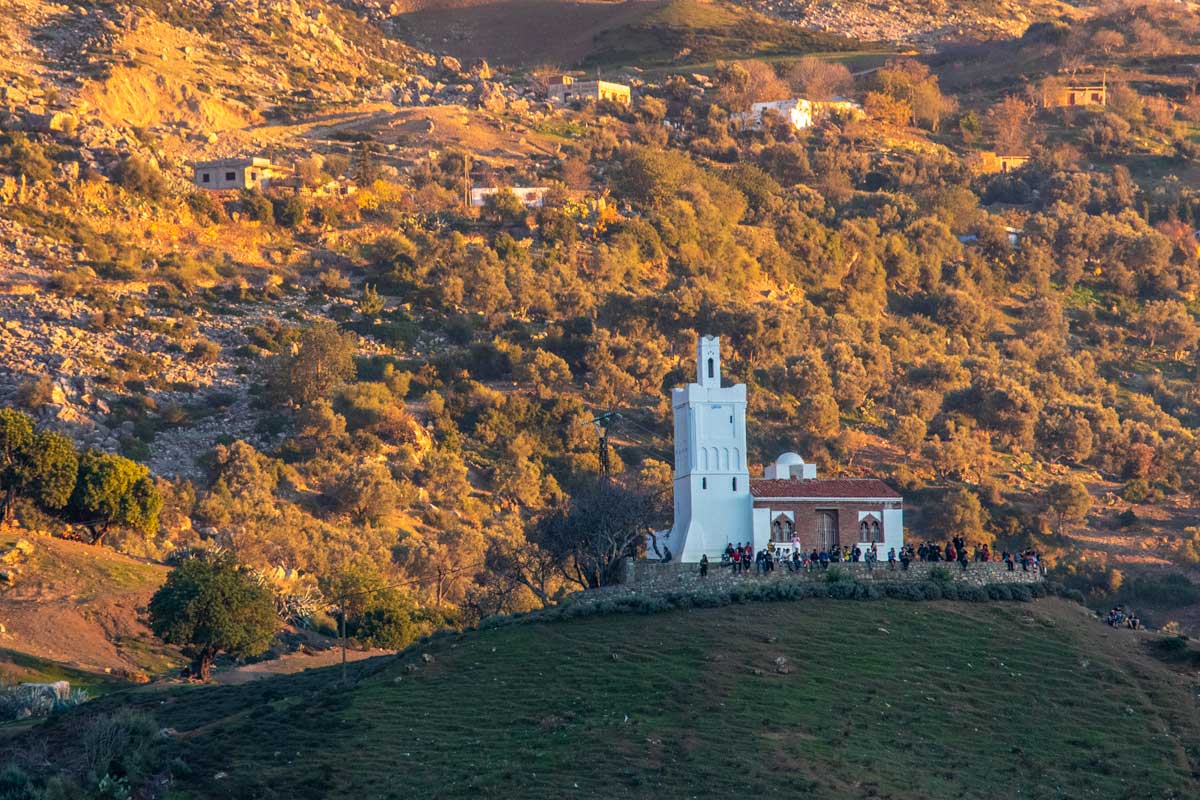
point(584, 32)
point(700, 31)
point(881, 699)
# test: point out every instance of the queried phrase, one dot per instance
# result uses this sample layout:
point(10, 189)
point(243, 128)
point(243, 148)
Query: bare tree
point(816, 79)
point(1010, 119)
point(603, 524)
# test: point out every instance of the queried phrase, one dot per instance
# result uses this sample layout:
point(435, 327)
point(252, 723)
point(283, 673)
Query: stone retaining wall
point(655, 575)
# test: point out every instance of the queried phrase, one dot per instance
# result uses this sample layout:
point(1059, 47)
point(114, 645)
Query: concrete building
point(989, 163)
point(236, 173)
point(564, 89)
point(531, 196)
point(801, 113)
point(796, 111)
point(717, 502)
point(1071, 95)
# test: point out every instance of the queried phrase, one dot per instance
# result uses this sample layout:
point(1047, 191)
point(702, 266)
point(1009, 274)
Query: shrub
point(257, 207)
point(950, 590)
point(35, 393)
point(999, 591)
point(139, 175)
point(930, 590)
point(972, 594)
point(904, 591)
point(1020, 592)
point(844, 589)
point(118, 742)
point(205, 206)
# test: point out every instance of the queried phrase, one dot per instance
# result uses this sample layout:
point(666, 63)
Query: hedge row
point(840, 588)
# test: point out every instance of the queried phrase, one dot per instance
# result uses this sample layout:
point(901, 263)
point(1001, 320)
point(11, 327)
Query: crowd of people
point(742, 557)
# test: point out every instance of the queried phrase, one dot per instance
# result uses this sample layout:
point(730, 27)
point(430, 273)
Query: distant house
point(1073, 95)
point(236, 173)
point(799, 112)
point(531, 196)
point(990, 163)
point(796, 111)
point(563, 89)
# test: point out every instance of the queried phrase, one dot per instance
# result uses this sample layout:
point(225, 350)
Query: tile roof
point(823, 488)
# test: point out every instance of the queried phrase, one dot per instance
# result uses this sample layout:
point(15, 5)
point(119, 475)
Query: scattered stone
point(428, 659)
point(782, 666)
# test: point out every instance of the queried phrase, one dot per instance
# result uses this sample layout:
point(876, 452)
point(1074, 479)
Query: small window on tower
point(710, 368)
point(704, 483)
point(735, 484)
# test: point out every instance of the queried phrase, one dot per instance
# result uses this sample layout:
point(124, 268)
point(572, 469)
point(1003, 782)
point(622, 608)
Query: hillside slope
point(78, 606)
point(829, 699)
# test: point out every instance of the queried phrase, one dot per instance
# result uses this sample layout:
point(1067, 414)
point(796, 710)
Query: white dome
point(790, 460)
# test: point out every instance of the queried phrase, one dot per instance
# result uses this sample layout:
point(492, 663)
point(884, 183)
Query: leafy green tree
point(53, 470)
point(1068, 501)
point(963, 515)
point(113, 490)
point(16, 438)
point(208, 605)
point(322, 362)
point(40, 465)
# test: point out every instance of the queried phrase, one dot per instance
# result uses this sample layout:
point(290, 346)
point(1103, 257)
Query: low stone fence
point(677, 575)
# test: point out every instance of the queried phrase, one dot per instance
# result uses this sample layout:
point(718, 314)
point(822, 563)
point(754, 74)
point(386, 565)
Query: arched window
point(735, 484)
point(704, 483)
point(870, 531)
point(711, 368)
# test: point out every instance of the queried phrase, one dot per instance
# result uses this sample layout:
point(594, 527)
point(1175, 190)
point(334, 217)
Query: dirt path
point(292, 663)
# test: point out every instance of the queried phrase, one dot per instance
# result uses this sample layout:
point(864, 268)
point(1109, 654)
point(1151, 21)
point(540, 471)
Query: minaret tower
point(712, 483)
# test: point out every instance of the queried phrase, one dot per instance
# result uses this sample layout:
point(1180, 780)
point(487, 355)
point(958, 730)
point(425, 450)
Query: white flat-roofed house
point(531, 196)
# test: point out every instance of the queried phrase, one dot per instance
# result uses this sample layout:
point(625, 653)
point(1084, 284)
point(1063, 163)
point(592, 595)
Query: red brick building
point(828, 513)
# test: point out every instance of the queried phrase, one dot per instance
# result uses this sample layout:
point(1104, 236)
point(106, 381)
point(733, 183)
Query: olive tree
point(210, 604)
point(112, 490)
point(40, 465)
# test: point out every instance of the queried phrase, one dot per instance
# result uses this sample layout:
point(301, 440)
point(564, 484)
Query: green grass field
point(883, 699)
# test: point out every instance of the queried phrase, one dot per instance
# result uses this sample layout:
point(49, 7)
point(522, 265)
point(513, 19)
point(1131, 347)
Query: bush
point(973, 594)
point(205, 206)
point(137, 174)
point(930, 590)
point(118, 743)
point(999, 591)
point(1020, 592)
point(257, 207)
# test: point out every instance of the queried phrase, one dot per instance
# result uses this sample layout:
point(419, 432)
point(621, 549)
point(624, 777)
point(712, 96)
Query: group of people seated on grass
point(742, 557)
point(1122, 617)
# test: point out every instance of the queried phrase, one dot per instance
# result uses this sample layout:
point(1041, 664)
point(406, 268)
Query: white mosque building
point(717, 503)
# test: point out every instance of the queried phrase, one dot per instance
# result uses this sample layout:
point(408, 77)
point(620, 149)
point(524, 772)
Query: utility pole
point(604, 423)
